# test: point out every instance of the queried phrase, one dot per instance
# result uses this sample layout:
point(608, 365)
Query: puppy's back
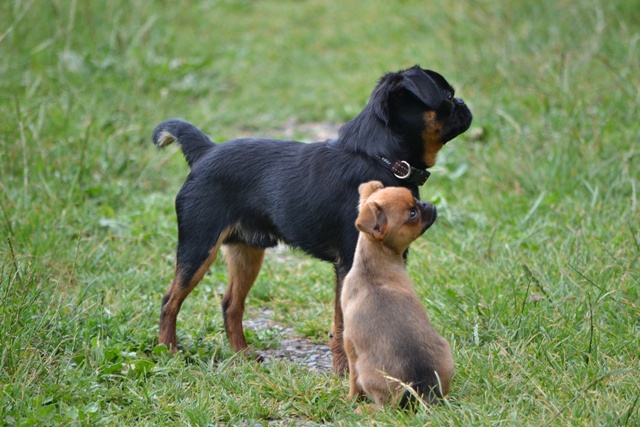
point(407, 347)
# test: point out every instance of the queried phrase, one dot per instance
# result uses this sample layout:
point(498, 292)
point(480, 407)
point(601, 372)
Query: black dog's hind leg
point(189, 272)
point(199, 238)
point(340, 360)
point(244, 262)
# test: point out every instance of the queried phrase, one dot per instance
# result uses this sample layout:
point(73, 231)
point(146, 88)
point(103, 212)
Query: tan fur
point(243, 262)
point(382, 315)
point(431, 138)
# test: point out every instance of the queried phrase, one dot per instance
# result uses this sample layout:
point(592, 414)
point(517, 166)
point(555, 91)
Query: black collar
point(403, 170)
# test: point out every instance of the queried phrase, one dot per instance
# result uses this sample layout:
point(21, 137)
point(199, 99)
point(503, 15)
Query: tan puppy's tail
point(412, 398)
point(418, 394)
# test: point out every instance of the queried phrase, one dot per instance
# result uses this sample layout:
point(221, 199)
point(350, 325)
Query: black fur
point(305, 195)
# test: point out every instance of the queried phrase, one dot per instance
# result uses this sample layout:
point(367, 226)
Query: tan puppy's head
point(392, 215)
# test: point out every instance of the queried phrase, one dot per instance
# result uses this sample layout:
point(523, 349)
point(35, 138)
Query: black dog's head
point(411, 114)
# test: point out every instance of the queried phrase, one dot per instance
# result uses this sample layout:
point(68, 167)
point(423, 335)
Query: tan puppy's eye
point(413, 213)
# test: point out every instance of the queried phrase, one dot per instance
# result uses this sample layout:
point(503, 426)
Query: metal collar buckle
point(402, 166)
point(401, 169)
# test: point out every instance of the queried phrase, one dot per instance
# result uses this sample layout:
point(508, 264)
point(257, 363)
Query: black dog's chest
point(253, 236)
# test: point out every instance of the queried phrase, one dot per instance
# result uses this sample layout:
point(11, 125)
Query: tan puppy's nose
point(429, 213)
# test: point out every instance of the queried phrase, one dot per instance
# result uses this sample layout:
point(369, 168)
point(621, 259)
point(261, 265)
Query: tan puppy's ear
point(372, 220)
point(367, 189)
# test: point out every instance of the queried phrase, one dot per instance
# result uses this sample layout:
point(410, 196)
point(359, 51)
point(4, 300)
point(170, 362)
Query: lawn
point(532, 271)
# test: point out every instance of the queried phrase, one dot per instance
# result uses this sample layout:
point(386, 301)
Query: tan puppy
point(387, 334)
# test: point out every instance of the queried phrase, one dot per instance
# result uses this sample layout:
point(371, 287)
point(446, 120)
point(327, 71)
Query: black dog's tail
point(193, 142)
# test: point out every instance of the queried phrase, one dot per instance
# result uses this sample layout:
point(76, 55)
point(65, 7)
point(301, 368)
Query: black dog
point(249, 194)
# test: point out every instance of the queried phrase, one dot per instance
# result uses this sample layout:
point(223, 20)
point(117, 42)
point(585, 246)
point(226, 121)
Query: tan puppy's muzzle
point(429, 214)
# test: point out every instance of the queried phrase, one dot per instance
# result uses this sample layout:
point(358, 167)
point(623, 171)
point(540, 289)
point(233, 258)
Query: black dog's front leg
point(340, 360)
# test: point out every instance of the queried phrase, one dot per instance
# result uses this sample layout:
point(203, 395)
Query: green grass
point(532, 271)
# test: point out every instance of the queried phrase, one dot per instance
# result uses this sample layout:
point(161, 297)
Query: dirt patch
point(293, 348)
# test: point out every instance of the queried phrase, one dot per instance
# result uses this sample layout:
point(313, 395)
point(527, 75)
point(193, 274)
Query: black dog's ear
point(379, 101)
point(422, 86)
point(440, 81)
